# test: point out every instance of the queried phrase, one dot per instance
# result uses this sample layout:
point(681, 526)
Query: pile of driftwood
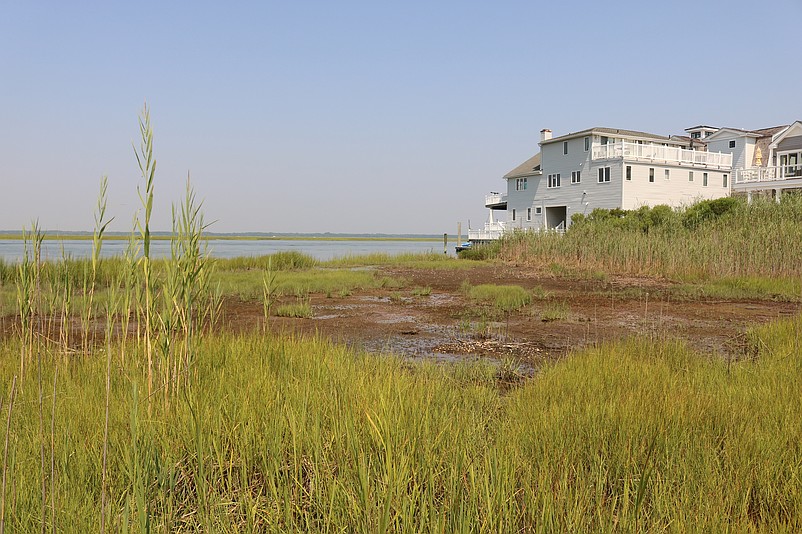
point(495, 347)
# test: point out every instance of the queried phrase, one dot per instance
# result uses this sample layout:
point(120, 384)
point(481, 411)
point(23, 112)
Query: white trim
point(785, 133)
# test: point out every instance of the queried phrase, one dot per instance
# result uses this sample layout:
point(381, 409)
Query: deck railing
point(668, 154)
point(767, 174)
point(489, 232)
point(494, 199)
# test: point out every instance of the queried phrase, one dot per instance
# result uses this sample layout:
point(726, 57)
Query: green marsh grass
point(504, 298)
point(289, 434)
point(302, 309)
point(430, 260)
point(554, 311)
point(757, 241)
point(279, 261)
point(249, 284)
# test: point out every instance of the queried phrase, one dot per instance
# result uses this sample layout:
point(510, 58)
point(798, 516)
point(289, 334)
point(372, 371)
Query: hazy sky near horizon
point(357, 116)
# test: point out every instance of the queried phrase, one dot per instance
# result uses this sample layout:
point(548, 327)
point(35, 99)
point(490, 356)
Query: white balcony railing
point(495, 199)
point(667, 154)
point(767, 174)
point(490, 231)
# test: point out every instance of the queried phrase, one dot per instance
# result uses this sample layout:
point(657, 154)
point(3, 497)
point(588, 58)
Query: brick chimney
point(545, 134)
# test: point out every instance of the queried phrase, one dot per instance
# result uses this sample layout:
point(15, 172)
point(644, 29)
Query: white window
point(528, 214)
point(651, 174)
point(724, 180)
point(553, 180)
point(576, 177)
point(696, 135)
point(629, 172)
point(520, 184)
point(587, 144)
point(732, 143)
point(538, 210)
point(667, 174)
point(604, 174)
point(704, 179)
point(565, 147)
point(690, 176)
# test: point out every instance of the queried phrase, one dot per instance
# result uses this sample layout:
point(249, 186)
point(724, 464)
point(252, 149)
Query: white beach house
point(606, 168)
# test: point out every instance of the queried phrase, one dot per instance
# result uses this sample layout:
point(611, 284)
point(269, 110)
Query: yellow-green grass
point(423, 260)
point(301, 309)
point(250, 284)
point(284, 434)
point(751, 241)
point(504, 298)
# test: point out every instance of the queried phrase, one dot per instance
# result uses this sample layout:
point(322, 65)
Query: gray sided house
point(606, 168)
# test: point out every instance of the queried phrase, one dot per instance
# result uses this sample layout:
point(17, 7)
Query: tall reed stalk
point(190, 258)
point(101, 223)
point(147, 168)
point(29, 270)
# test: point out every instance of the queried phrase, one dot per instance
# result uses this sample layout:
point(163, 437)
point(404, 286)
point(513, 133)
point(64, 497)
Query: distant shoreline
point(164, 236)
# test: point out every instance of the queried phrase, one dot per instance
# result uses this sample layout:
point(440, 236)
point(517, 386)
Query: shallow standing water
point(12, 250)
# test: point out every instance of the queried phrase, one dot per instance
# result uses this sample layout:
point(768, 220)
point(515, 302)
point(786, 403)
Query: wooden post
point(445, 243)
point(459, 233)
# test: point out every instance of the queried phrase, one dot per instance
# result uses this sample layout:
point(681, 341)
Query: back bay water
point(12, 250)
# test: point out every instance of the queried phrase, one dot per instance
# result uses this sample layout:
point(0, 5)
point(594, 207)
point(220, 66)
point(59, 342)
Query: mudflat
point(433, 317)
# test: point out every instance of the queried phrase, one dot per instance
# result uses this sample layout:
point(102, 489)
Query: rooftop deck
point(663, 154)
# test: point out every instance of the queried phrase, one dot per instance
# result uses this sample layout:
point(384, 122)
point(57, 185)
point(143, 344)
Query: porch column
point(777, 195)
point(748, 197)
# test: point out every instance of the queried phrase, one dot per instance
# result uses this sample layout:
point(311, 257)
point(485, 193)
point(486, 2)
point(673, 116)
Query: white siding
point(677, 190)
point(589, 193)
point(584, 196)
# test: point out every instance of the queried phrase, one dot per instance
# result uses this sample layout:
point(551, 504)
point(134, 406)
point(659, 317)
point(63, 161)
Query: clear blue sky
point(357, 116)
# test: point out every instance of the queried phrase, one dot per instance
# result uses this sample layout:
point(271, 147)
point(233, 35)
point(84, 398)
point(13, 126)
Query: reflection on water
point(12, 250)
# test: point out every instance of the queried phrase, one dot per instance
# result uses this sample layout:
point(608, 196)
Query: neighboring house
point(769, 159)
point(607, 168)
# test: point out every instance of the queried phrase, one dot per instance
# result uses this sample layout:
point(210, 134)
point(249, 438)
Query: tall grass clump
point(726, 237)
point(482, 251)
point(505, 298)
point(278, 261)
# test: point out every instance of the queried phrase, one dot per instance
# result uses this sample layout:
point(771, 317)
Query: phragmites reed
point(147, 168)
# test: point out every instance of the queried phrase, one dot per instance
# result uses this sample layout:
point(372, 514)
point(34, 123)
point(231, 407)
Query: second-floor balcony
point(496, 201)
point(662, 154)
point(763, 175)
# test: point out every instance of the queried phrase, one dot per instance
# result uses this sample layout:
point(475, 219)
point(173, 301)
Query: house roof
point(762, 132)
point(610, 131)
point(690, 141)
point(700, 127)
point(770, 131)
point(794, 126)
point(527, 168)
